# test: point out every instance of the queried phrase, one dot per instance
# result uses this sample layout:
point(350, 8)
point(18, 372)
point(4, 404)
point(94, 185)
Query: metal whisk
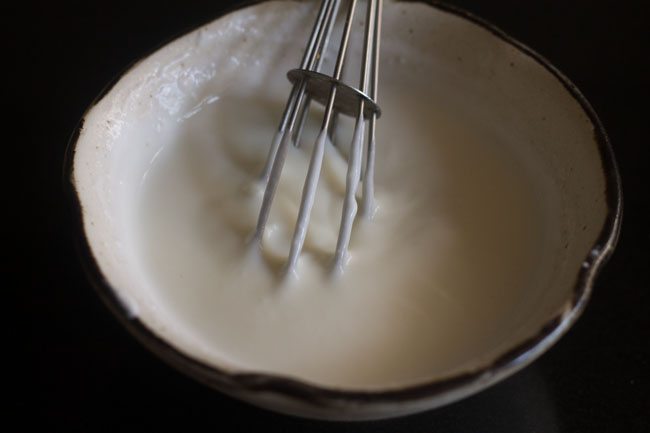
point(310, 84)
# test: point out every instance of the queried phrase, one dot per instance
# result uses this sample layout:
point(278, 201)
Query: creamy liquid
point(433, 280)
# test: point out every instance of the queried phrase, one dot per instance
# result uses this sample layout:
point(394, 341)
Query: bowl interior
point(469, 72)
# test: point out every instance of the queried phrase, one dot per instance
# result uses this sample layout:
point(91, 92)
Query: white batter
point(433, 281)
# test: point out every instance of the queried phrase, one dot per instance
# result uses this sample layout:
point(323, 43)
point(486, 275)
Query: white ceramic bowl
point(514, 89)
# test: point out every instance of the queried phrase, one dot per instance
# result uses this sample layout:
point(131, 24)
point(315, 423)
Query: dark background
point(78, 370)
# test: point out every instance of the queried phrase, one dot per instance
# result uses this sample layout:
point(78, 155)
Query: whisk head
point(311, 84)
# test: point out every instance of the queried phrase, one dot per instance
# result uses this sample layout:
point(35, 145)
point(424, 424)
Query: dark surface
point(80, 371)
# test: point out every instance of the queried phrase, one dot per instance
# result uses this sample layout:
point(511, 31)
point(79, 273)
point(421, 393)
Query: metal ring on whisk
point(318, 87)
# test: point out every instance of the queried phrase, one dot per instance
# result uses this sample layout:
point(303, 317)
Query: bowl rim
point(464, 383)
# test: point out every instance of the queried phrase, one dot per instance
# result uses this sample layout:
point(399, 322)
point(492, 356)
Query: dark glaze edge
point(511, 361)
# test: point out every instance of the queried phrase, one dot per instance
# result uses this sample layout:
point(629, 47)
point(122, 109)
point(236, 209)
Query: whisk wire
point(315, 165)
point(368, 206)
point(277, 153)
point(354, 162)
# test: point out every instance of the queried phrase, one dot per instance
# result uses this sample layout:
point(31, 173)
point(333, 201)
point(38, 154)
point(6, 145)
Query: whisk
point(311, 84)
